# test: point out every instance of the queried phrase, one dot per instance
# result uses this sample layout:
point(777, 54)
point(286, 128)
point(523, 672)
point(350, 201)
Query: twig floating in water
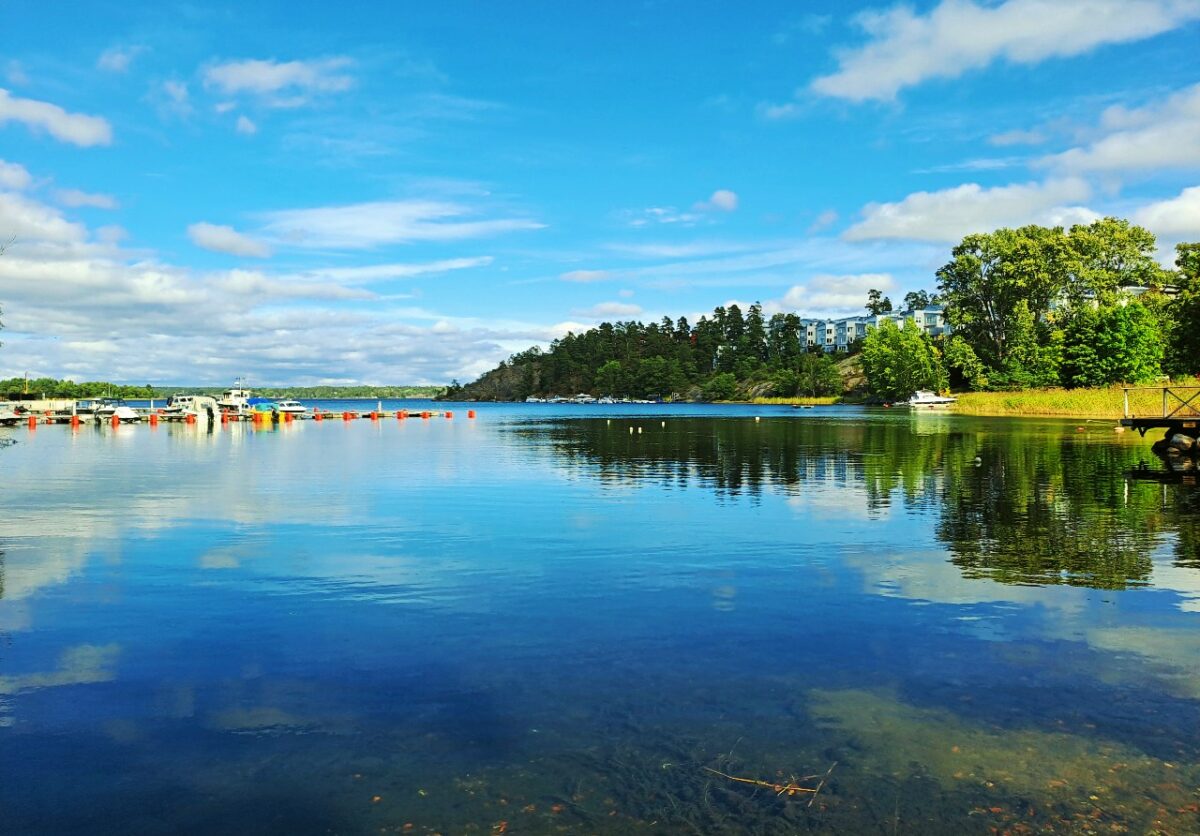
point(791, 787)
point(823, 780)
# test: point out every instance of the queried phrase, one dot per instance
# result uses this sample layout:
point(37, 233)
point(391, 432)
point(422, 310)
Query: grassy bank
point(832, 399)
point(1066, 403)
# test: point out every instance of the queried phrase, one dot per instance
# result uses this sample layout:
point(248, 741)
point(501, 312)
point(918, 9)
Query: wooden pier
point(1180, 417)
point(1180, 411)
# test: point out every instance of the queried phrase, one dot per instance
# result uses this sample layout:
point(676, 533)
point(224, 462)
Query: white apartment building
point(836, 335)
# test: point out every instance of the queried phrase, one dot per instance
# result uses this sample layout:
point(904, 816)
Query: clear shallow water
point(540, 619)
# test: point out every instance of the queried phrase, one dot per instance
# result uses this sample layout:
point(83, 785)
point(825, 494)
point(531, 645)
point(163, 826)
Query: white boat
point(9, 417)
point(923, 399)
point(294, 407)
point(236, 399)
point(126, 415)
point(179, 405)
point(104, 408)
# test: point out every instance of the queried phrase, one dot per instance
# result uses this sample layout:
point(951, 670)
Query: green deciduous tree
point(1112, 253)
point(1007, 293)
point(961, 359)
point(919, 299)
point(1183, 314)
point(817, 375)
point(611, 379)
point(721, 387)
point(899, 361)
point(1114, 344)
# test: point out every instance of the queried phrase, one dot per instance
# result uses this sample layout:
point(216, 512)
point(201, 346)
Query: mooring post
point(1126, 403)
point(1164, 402)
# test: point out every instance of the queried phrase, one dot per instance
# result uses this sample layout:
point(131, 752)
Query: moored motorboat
point(293, 407)
point(104, 408)
point(179, 405)
point(236, 399)
point(9, 416)
point(922, 399)
point(125, 415)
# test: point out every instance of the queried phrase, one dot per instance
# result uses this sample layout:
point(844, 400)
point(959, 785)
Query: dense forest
point(715, 359)
point(1029, 307)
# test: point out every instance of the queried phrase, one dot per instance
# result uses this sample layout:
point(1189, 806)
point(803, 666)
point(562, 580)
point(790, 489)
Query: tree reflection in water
point(1013, 501)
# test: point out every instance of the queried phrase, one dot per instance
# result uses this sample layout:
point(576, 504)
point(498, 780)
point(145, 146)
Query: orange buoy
point(317, 416)
point(74, 420)
point(154, 419)
point(424, 414)
point(345, 416)
point(470, 413)
point(374, 415)
point(116, 422)
point(449, 414)
point(33, 422)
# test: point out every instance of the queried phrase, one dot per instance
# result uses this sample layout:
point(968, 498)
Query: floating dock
point(153, 417)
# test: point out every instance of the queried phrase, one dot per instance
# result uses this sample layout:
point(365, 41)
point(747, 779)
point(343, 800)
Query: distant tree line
point(1043, 306)
point(52, 388)
point(717, 358)
point(48, 387)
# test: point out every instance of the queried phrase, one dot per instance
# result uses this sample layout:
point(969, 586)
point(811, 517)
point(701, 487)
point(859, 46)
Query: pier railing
point(1177, 401)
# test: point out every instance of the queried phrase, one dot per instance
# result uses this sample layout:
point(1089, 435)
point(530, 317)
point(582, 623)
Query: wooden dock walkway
point(1180, 411)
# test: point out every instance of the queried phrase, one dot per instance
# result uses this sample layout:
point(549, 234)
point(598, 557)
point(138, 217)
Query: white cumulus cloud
point(14, 176)
point(1176, 218)
point(118, 58)
point(722, 200)
point(226, 239)
point(75, 128)
point(1163, 134)
point(609, 309)
point(246, 126)
point(834, 295)
point(949, 214)
point(584, 276)
point(905, 48)
point(29, 221)
point(76, 198)
point(280, 83)
point(365, 225)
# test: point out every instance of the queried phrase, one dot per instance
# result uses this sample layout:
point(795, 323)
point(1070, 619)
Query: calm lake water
point(539, 621)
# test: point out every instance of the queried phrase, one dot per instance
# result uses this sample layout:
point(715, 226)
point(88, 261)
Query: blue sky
point(403, 193)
